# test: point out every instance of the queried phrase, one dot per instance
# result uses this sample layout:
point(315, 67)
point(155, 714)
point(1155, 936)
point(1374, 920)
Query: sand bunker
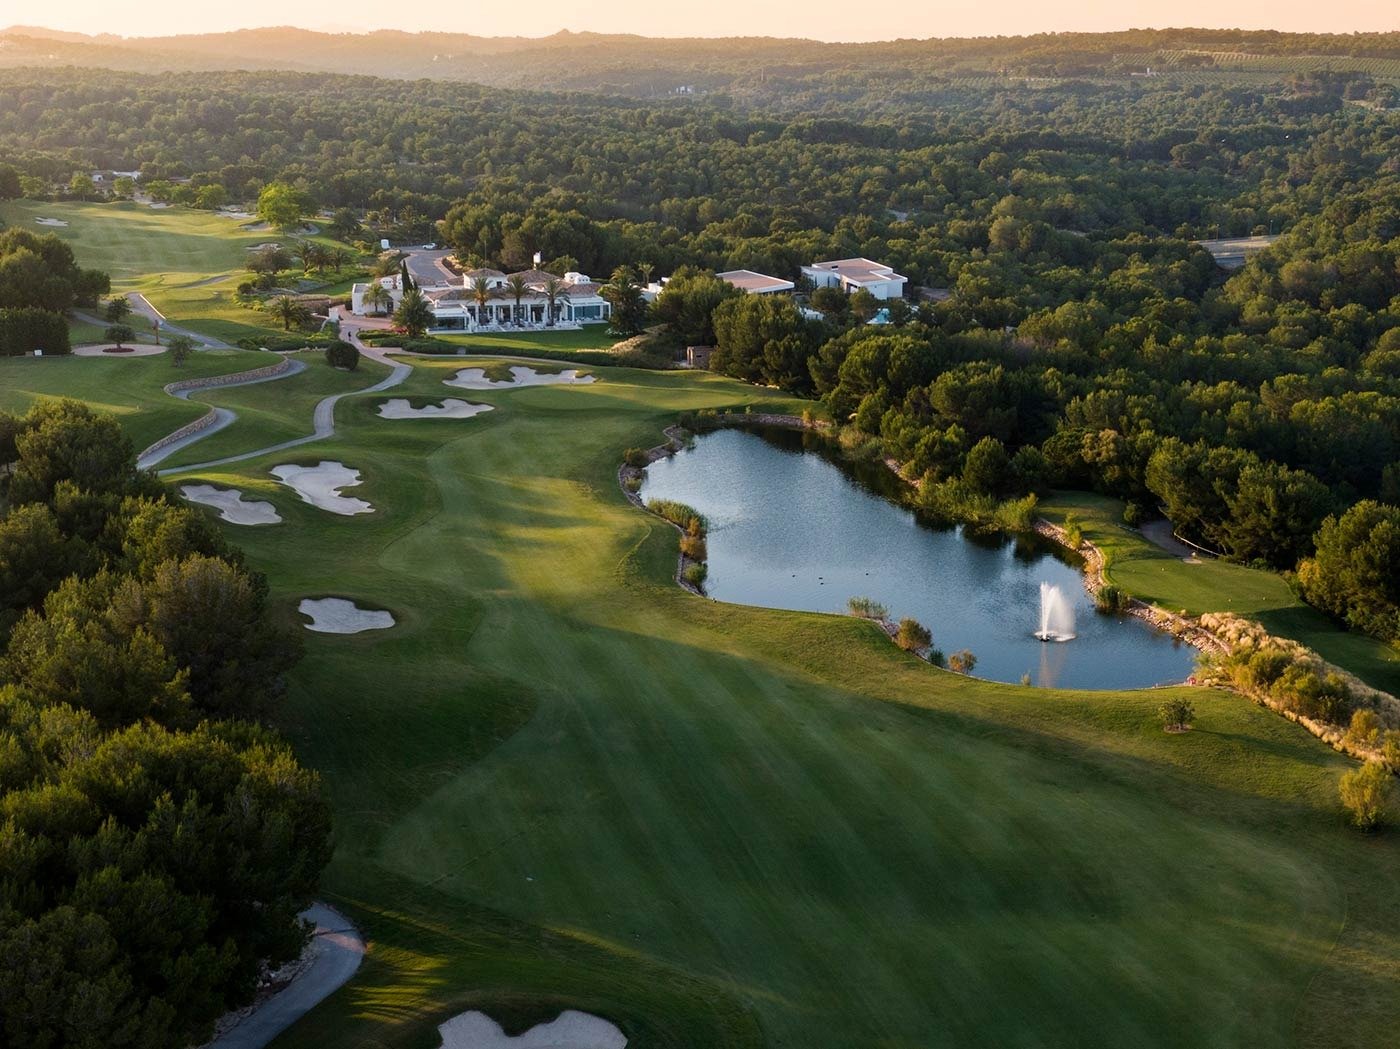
point(159, 205)
point(109, 349)
point(573, 1030)
point(231, 505)
point(335, 615)
point(49, 222)
point(475, 379)
point(451, 408)
point(320, 486)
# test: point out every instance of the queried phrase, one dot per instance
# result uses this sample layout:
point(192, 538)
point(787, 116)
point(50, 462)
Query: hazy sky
point(819, 19)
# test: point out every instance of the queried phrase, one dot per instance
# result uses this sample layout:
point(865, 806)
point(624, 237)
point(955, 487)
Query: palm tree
point(483, 293)
point(339, 257)
point(644, 271)
point(288, 311)
point(414, 315)
point(320, 257)
point(554, 291)
point(517, 288)
point(377, 298)
point(306, 252)
point(628, 305)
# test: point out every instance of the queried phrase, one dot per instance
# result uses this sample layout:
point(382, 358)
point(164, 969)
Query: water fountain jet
point(1056, 615)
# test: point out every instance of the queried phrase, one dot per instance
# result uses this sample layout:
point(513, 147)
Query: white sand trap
point(320, 486)
point(159, 205)
point(335, 615)
point(475, 379)
point(573, 1030)
point(231, 505)
point(49, 222)
point(451, 408)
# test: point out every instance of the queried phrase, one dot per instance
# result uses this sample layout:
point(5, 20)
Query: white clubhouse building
point(575, 301)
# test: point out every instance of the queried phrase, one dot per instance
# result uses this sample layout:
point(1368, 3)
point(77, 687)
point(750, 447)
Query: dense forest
point(1064, 328)
point(157, 841)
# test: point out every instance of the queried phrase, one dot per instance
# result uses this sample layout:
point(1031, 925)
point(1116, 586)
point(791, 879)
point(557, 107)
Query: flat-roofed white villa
point(756, 283)
point(547, 301)
point(852, 275)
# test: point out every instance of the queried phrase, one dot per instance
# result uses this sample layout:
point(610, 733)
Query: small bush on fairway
point(913, 636)
point(636, 458)
point(341, 354)
point(1365, 793)
point(1177, 714)
point(695, 574)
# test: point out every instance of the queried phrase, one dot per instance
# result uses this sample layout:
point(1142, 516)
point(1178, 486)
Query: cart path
point(337, 949)
point(222, 416)
point(322, 419)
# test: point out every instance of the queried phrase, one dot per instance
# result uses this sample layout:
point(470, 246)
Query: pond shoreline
point(630, 478)
point(676, 436)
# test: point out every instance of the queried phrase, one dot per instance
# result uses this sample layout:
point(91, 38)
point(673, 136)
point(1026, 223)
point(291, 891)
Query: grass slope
point(129, 387)
point(562, 781)
point(1154, 575)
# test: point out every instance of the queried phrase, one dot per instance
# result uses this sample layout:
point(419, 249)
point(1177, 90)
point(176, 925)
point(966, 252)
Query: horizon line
point(19, 29)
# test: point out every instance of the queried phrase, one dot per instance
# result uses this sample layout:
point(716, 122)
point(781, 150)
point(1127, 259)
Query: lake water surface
point(790, 528)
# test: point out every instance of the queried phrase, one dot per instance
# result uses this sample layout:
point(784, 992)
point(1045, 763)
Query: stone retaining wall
point(205, 421)
point(212, 416)
point(228, 380)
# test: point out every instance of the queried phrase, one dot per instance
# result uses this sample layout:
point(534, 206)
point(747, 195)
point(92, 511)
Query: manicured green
point(563, 781)
point(130, 387)
point(1149, 572)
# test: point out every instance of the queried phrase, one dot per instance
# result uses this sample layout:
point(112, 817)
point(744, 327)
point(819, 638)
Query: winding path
point(141, 307)
point(322, 420)
point(336, 948)
point(222, 417)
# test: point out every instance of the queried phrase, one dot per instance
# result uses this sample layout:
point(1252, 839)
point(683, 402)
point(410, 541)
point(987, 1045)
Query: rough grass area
point(562, 781)
point(1154, 575)
point(130, 387)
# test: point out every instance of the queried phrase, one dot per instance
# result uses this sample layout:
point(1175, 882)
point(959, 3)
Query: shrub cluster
point(867, 608)
point(1298, 686)
point(679, 514)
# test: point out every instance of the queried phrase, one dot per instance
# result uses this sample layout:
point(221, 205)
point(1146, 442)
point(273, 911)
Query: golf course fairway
point(560, 781)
